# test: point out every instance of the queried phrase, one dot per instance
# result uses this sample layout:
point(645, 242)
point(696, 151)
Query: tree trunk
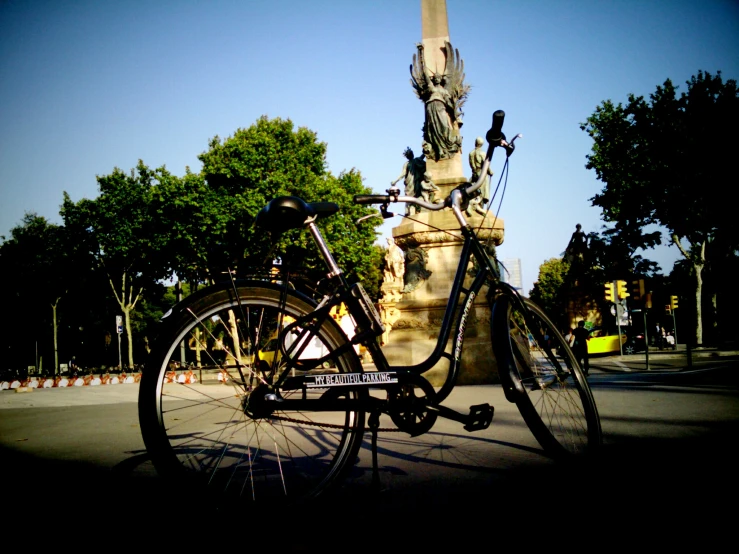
point(129, 335)
point(127, 301)
point(178, 288)
point(234, 330)
point(698, 261)
point(56, 345)
point(698, 292)
point(195, 344)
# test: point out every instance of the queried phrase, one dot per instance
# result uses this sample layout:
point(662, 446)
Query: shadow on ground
point(647, 487)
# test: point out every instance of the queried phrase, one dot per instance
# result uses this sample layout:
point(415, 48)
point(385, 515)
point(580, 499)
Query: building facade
point(511, 273)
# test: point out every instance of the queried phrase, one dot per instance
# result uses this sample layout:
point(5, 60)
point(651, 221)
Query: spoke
point(228, 352)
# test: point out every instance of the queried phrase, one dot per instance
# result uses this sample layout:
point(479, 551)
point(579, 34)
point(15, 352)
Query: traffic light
point(610, 296)
point(621, 290)
point(637, 289)
point(673, 302)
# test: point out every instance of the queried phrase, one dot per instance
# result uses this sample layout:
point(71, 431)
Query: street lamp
point(119, 329)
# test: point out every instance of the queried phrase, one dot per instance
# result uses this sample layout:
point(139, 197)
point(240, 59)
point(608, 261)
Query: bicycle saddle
point(290, 212)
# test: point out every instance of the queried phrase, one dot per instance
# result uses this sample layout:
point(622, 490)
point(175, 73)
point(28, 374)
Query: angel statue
point(444, 95)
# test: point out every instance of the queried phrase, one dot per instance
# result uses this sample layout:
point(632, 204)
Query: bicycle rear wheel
point(546, 382)
point(212, 432)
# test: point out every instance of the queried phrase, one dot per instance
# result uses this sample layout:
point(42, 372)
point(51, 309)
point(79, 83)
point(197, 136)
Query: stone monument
point(412, 310)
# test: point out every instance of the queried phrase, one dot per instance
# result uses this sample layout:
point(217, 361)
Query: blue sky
point(87, 86)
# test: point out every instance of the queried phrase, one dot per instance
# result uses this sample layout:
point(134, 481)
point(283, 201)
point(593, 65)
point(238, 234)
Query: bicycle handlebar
point(495, 138)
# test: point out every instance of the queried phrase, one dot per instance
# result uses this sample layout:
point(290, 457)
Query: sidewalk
point(658, 359)
point(69, 396)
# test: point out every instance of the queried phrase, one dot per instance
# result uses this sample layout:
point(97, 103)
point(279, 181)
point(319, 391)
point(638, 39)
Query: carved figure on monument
point(577, 247)
point(477, 157)
point(444, 95)
point(412, 175)
point(576, 254)
point(415, 268)
point(388, 315)
point(394, 263)
point(428, 188)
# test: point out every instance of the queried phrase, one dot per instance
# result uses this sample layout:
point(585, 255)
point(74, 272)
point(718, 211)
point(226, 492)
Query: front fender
point(505, 347)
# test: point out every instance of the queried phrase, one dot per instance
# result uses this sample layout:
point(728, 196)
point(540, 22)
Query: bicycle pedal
point(480, 417)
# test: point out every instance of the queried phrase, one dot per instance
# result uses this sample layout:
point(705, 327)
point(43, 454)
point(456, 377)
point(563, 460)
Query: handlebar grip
point(371, 199)
point(495, 134)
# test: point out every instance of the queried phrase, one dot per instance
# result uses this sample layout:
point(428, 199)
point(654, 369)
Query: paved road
point(75, 455)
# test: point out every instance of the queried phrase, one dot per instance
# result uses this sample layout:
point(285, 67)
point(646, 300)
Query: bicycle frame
point(366, 319)
point(261, 438)
point(369, 326)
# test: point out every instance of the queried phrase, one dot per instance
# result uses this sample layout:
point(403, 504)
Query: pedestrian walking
point(580, 346)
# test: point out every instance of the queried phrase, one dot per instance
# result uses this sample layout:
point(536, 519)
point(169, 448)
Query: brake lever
point(366, 217)
point(509, 146)
point(383, 213)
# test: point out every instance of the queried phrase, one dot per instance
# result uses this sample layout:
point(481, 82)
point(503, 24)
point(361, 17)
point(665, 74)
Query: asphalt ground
point(73, 460)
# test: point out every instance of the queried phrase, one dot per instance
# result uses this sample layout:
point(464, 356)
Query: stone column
point(415, 315)
point(435, 34)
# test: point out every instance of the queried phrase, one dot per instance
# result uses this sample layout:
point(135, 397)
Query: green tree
point(662, 162)
point(38, 274)
point(568, 291)
point(551, 290)
point(242, 173)
point(189, 218)
point(119, 232)
point(613, 256)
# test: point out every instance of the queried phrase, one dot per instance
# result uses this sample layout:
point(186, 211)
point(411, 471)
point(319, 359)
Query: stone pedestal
point(416, 316)
point(446, 172)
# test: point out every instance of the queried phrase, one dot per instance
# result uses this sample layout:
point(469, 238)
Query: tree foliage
point(551, 289)
point(114, 252)
point(270, 159)
point(119, 233)
point(38, 274)
point(187, 217)
point(663, 162)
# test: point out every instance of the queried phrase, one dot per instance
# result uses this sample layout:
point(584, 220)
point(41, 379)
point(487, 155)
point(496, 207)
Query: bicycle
point(290, 421)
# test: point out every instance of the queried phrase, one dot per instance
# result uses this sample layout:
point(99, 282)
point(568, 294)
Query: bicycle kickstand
point(374, 425)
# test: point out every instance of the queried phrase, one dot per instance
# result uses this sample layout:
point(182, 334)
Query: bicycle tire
point(210, 438)
point(557, 405)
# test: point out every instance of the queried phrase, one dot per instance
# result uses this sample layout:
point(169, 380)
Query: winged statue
point(443, 94)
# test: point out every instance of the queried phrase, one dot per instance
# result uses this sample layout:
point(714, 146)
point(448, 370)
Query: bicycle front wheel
point(546, 381)
point(204, 422)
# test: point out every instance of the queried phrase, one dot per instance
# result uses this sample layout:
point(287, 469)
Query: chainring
point(408, 405)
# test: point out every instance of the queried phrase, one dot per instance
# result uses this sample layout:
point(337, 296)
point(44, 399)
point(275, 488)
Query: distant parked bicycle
point(290, 419)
